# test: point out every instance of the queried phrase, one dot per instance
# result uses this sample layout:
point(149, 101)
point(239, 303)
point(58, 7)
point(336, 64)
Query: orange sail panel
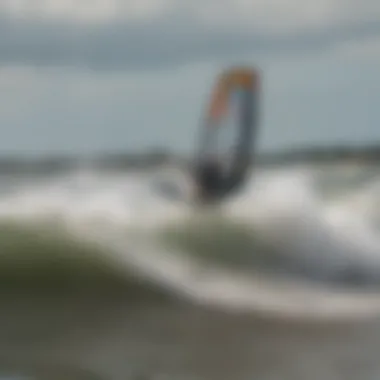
point(229, 81)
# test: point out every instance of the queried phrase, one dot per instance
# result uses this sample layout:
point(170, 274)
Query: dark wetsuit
point(213, 184)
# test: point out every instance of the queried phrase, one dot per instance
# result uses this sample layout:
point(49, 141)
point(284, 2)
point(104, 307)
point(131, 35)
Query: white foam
point(283, 207)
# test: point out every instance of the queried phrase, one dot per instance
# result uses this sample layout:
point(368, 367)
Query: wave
point(44, 258)
point(278, 247)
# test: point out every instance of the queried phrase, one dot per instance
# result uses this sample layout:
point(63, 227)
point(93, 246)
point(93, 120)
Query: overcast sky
point(101, 75)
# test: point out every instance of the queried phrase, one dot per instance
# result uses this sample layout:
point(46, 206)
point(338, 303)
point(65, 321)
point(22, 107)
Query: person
point(209, 180)
point(213, 184)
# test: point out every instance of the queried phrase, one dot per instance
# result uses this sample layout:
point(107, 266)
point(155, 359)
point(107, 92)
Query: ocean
point(110, 274)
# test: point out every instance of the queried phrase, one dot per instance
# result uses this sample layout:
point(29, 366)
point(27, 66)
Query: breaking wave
point(296, 242)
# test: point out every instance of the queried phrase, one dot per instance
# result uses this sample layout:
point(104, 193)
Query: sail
point(228, 131)
point(245, 79)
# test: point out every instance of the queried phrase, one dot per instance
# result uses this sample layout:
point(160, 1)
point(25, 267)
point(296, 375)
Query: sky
point(88, 76)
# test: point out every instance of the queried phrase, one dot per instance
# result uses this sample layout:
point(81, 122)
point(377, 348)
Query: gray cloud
point(170, 40)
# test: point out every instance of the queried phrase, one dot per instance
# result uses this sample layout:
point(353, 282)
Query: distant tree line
point(161, 156)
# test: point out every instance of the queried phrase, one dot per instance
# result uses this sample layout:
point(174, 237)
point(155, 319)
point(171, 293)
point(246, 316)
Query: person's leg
point(208, 181)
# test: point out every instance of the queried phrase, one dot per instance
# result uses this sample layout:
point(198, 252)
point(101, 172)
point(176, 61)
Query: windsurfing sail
point(228, 132)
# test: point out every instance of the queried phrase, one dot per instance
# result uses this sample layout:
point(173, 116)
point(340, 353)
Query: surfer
point(209, 180)
point(213, 182)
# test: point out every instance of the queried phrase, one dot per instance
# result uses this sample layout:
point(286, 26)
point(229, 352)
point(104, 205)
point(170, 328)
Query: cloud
point(93, 11)
point(130, 34)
